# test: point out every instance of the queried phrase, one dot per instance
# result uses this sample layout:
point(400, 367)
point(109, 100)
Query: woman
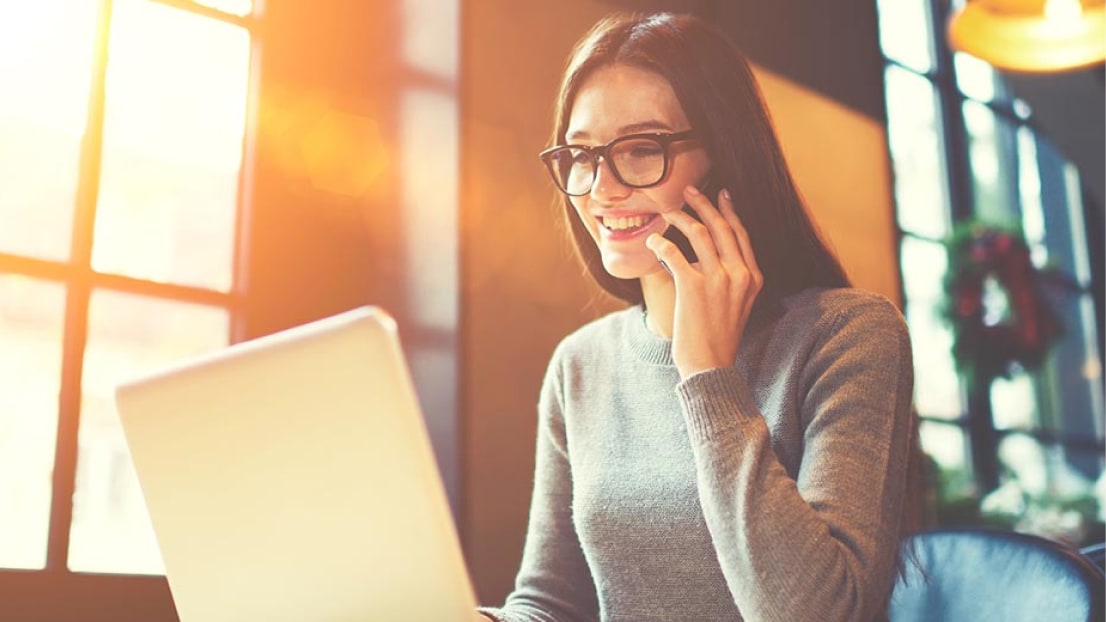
point(734, 444)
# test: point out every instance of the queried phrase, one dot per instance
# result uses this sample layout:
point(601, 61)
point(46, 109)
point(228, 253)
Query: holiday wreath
point(999, 304)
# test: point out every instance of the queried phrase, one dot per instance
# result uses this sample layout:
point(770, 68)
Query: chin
point(624, 267)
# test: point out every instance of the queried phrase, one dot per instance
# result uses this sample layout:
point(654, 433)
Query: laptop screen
point(292, 478)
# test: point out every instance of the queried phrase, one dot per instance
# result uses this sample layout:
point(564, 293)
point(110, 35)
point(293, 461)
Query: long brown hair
point(719, 94)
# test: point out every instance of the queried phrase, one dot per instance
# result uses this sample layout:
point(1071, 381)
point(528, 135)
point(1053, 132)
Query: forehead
point(620, 99)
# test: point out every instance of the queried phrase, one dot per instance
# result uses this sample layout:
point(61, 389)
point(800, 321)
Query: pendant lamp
point(1035, 36)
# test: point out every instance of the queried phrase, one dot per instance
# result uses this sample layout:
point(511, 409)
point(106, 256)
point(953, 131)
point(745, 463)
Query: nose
point(606, 188)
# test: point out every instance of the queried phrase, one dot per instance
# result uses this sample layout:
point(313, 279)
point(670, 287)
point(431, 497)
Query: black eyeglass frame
point(664, 139)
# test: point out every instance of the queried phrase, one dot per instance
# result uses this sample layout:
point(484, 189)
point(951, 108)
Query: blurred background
point(179, 175)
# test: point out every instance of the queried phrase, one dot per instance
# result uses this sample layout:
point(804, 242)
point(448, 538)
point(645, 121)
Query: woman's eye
point(645, 151)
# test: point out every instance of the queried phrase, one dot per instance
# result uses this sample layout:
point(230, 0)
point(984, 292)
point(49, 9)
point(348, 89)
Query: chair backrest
point(1096, 553)
point(977, 575)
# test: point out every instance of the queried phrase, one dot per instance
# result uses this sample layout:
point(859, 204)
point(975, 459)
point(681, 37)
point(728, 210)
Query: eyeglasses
point(635, 160)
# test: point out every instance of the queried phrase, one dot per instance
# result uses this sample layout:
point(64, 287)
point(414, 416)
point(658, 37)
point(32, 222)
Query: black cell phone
point(710, 188)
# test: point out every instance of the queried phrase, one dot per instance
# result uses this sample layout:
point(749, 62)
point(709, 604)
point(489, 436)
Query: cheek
point(670, 197)
point(579, 204)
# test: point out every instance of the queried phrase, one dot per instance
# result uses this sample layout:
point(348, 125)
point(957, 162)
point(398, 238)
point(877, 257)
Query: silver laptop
point(291, 478)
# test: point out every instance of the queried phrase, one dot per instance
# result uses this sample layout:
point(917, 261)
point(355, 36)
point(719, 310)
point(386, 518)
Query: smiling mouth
point(626, 224)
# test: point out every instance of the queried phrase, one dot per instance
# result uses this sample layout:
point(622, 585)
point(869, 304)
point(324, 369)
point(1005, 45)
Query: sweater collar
point(648, 346)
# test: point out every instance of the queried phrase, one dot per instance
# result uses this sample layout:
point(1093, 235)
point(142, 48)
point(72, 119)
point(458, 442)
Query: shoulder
point(599, 333)
point(845, 335)
point(591, 346)
point(835, 308)
point(836, 320)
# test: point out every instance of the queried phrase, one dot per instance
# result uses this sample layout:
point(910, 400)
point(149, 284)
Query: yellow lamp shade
point(1031, 35)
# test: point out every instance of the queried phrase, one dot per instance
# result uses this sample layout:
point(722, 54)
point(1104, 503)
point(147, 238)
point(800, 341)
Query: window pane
point(1071, 381)
point(914, 135)
point(31, 323)
point(1014, 403)
point(904, 32)
point(975, 78)
point(1023, 459)
point(924, 264)
point(1029, 192)
point(431, 37)
point(937, 391)
point(1042, 494)
point(947, 445)
point(127, 336)
point(45, 47)
point(991, 149)
point(174, 122)
point(1060, 201)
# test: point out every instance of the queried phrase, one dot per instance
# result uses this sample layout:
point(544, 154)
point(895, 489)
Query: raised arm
point(821, 545)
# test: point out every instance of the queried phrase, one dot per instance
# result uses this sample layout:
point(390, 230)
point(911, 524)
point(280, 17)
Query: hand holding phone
point(710, 188)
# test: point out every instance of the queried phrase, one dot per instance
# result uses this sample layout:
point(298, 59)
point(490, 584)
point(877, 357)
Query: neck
point(659, 291)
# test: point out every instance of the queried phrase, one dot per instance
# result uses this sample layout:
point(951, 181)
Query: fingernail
point(725, 194)
point(692, 190)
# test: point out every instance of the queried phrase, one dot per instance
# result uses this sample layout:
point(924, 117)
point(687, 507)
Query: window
point(121, 142)
point(963, 148)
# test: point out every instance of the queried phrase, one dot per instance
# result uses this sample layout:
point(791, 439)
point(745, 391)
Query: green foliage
point(988, 343)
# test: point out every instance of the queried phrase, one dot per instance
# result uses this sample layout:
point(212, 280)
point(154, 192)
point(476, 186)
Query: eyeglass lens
point(636, 161)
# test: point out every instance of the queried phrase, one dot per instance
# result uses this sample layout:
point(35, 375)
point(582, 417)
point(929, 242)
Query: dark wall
point(829, 47)
point(307, 252)
point(1068, 109)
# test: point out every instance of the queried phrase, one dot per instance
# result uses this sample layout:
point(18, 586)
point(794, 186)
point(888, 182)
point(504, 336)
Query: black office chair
point(979, 575)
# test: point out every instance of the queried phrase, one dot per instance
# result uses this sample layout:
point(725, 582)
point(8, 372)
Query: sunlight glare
point(45, 61)
point(165, 91)
point(46, 51)
point(174, 122)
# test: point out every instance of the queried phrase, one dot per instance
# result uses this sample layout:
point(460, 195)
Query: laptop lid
point(291, 478)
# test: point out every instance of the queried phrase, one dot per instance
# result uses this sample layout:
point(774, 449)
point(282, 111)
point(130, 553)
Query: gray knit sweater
point(769, 490)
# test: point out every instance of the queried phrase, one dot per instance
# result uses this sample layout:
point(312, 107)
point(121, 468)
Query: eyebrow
point(633, 128)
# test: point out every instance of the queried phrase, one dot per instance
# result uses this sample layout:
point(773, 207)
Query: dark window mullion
point(246, 22)
point(165, 291)
point(981, 428)
point(1010, 157)
point(244, 198)
point(888, 61)
point(961, 421)
point(77, 301)
point(920, 237)
point(67, 274)
point(953, 128)
point(36, 268)
point(1046, 435)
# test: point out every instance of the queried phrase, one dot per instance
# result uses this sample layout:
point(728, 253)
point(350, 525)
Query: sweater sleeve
point(821, 546)
point(553, 582)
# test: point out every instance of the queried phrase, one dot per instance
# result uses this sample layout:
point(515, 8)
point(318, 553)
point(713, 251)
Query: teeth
point(624, 222)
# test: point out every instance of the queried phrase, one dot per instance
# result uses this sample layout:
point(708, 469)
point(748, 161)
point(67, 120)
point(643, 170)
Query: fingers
point(718, 238)
point(721, 232)
point(697, 234)
point(741, 235)
point(668, 254)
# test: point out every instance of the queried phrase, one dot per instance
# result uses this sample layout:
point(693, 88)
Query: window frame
point(976, 422)
point(56, 592)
